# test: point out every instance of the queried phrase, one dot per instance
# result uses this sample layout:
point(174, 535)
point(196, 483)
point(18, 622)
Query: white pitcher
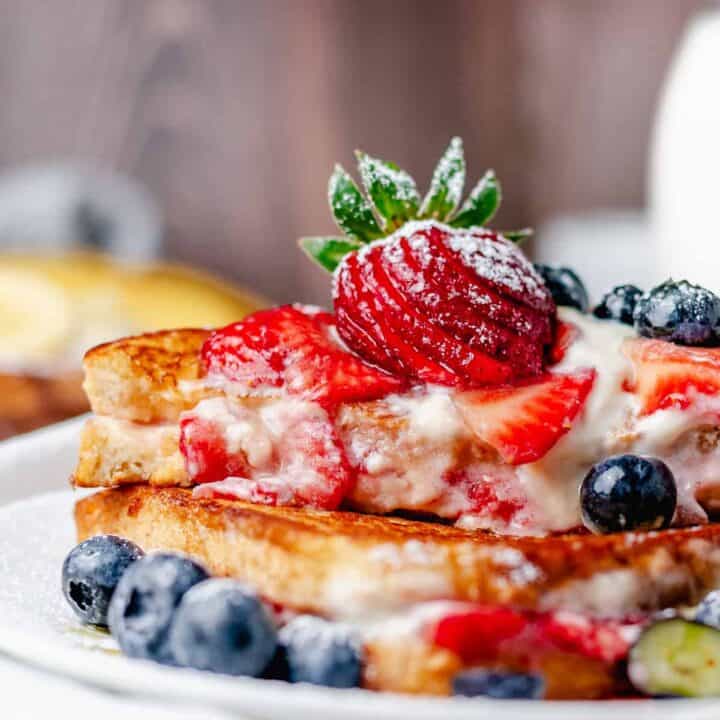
point(684, 179)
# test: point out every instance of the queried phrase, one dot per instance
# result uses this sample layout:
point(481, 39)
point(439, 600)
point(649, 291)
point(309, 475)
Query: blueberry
point(565, 286)
point(499, 685)
point(91, 572)
point(708, 611)
point(221, 626)
point(619, 304)
point(679, 312)
point(143, 606)
point(321, 653)
point(628, 492)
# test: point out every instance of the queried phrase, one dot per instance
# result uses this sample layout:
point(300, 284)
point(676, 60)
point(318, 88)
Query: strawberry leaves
point(482, 203)
point(391, 199)
point(328, 251)
point(447, 183)
point(351, 210)
point(391, 190)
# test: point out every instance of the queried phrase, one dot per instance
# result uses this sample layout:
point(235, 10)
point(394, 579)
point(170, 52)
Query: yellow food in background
point(53, 308)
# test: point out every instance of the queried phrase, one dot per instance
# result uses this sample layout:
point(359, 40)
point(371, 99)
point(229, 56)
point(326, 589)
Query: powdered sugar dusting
point(487, 253)
point(389, 178)
point(448, 178)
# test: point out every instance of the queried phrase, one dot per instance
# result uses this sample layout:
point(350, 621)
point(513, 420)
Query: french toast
point(346, 563)
point(459, 463)
point(347, 566)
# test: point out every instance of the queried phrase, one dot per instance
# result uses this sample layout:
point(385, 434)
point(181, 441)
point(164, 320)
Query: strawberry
point(565, 336)
point(478, 633)
point(475, 632)
point(203, 447)
point(448, 306)
point(295, 348)
point(671, 376)
point(524, 422)
point(300, 461)
point(600, 639)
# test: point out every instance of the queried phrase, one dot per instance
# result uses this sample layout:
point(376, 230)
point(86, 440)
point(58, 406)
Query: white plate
point(37, 627)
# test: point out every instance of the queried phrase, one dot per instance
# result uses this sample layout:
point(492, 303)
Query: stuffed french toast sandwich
point(461, 480)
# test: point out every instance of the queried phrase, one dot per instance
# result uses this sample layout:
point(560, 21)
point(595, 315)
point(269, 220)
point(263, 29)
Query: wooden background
point(232, 112)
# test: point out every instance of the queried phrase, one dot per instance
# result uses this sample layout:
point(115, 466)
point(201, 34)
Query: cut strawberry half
point(295, 348)
point(525, 421)
point(671, 376)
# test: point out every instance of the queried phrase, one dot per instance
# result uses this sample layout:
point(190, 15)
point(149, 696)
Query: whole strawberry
point(422, 289)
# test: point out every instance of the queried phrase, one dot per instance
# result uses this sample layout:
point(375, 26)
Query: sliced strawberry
point(487, 633)
point(356, 282)
point(472, 367)
point(671, 376)
point(525, 421)
point(457, 318)
point(464, 301)
point(296, 348)
point(203, 447)
point(299, 461)
point(604, 640)
point(475, 633)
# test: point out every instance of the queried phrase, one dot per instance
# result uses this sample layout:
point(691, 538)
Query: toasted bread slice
point(346, 565)
point(339, 563)
point(147, 378)
point(117, 452)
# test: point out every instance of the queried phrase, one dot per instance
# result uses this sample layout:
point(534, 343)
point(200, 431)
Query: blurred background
point(204, 133)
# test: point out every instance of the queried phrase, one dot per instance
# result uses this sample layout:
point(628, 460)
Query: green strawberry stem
point(518, 236)
point(446, 185)
point(391, 190)
point(352, 212)
point(481, 204)
point(391, 199)
point(328, 251)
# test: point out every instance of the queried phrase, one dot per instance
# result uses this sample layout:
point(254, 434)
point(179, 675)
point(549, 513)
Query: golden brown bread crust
point(338, 562)
point(299, 558)
point(146, 378)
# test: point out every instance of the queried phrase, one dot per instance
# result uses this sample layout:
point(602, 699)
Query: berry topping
point(565, 336)
point(484, 633)
point(445, 306)
point(677, 658)
point(619, 304)
point(289, 454)
point(679, 312)
point(294, 348)
point(221, 626)
point(628, 492)
point(442, 301)
point(671, 376)
point(476, 633)
point(143, 606)
point(91, 572)
point(566, 287)
point(499, 685)
point(708, 611)
point(525, 421)
point(320, 652)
